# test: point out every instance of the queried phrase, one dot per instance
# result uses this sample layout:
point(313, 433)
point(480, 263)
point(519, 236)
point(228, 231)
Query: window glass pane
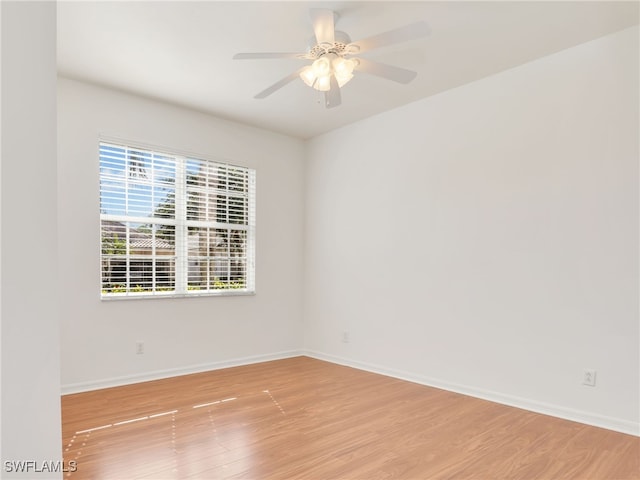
point(238, 210)
point(163, 191)
point(173, 224)
point(217, 259)
point(198, 259)
point(113, 163)
point(136, 258)
point(204, 192)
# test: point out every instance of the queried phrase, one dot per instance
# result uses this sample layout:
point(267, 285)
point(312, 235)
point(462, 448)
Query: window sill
point(145, 296)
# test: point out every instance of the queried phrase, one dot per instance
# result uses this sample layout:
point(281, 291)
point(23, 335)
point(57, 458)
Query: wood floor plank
point(302, 418)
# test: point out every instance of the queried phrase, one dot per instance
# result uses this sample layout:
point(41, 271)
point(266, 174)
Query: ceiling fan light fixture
point(319, 82)
point(308, 76)
point(343, 69)
point(318, 74)
point(322, 66)
point(343, 66)
point(323, 83)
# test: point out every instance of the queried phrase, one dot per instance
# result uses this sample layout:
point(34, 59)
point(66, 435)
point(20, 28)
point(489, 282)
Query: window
point(173, 225)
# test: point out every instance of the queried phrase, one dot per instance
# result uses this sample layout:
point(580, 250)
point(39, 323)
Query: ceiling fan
point(333, 56)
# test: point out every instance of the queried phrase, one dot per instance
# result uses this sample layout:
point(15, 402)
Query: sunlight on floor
point(168, 436)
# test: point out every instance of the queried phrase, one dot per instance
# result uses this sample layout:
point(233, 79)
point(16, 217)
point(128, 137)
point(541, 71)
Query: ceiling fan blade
point(332, 97)
point(323, 25)
point(397, 74)
point(279, 84)
point(398, 35)
point(263, 55)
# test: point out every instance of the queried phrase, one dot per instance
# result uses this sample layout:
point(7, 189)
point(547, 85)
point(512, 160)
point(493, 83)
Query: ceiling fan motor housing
point(341, 46)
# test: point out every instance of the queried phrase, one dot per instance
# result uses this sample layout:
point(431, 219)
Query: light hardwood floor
point(302, 418)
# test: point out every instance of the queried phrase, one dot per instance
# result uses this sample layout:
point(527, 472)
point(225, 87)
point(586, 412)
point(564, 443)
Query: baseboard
point(588, 418)
point(173, 372)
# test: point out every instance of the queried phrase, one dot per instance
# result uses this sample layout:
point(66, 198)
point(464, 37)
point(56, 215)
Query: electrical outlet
point(589, 377)
point(346, 337)
point(139, 348)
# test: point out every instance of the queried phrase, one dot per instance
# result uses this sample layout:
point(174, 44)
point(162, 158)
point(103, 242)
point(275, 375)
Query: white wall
point(486, 239)
point(180, 335)
point(30, 375)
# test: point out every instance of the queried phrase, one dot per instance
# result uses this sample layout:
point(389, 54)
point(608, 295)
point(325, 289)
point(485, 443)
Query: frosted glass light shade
point(307, 76)
point(321, 66)
point(324, 83)
point(318, 74)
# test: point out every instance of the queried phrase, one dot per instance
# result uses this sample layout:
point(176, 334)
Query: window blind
point(174, 225)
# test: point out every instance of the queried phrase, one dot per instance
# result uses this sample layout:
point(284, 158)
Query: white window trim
point(180, 222)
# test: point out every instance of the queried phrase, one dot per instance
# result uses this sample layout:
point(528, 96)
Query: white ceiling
point(181, 52)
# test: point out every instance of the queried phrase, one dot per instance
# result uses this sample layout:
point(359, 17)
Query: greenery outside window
point(171, 225)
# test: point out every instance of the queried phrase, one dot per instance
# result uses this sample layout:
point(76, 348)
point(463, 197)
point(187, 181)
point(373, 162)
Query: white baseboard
point(588, 418)
point(173, 372)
